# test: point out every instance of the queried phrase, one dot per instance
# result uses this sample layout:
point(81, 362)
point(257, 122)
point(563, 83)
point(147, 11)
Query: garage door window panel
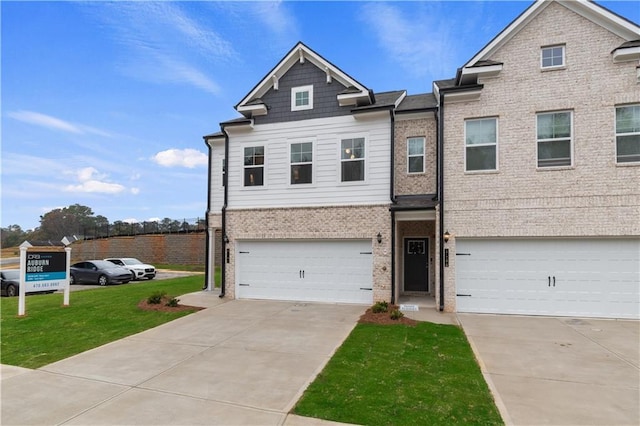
point(481, 144)
point(628, 134)
point(301, 163)
point(554, 139)
point(254, 166)
point(352, 159)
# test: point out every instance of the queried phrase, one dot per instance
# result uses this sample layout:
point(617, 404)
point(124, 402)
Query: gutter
point(440, 169)
point(223, 263)
point(392, 197)
point(207, 251)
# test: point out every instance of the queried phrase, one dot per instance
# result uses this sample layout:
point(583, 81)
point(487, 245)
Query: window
point(254, 166)
point(301, 98)
point(552, 57)
point(352, 159)
point(301, 163)
point(554, 139)
point(481, 142)
point(628, 134)
point(415, 155)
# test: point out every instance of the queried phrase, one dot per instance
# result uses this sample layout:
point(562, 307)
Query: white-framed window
point(554, 138)
point(481, 144)
point(628, 134)
point(301, 98)
point(415, 155)
point(552, 56)
point(301, 158)
point(352, 159)
point(254, 166)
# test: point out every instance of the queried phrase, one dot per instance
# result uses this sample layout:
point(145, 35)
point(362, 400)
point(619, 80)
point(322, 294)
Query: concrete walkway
point(559, 371)
point(239, 362)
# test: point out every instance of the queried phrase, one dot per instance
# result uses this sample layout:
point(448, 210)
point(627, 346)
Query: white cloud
point(420, 42)
point(91, 180)
point(135, 191)
point(50, 122)
point(189, 158)
point(130, 220)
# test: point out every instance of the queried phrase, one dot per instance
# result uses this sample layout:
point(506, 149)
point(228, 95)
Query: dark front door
point(416, 266)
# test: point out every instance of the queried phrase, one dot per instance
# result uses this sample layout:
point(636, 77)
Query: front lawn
point(401, 375)
point(50, 332)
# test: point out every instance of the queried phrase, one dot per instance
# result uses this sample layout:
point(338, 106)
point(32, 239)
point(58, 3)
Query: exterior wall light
point(446, 236)
point(379, 238)
point(226, 239)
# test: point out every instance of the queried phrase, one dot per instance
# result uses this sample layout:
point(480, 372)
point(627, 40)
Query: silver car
point(138, 269)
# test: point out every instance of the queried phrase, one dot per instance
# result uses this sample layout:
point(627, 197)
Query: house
point(325, 190)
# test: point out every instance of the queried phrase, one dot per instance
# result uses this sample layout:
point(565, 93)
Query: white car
point(138, 269)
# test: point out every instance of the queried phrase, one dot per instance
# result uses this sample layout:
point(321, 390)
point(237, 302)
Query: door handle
point(549, 278)
point(303, 273)
point(554, 280)
point(300, 273)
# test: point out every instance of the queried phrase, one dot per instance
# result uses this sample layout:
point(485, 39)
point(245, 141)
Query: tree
point(12, 236)
point(67, 221)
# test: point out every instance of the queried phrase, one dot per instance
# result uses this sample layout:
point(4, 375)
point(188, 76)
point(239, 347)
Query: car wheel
point(103, 280)
point(12, 291)
point(72, 279)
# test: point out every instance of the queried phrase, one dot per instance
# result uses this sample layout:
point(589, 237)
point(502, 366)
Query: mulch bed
point(162, 307)
point(384, 318)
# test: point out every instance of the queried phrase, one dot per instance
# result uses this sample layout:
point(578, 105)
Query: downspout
point(440, 153)
point(223, 260)
point(207, 251)
point(392, 196)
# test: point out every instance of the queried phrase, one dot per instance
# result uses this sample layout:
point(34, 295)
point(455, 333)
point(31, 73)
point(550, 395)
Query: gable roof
point(588, 9)
point(355, 93)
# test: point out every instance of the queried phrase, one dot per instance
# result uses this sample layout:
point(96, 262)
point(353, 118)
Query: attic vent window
point(301, 98)
point(552, 57)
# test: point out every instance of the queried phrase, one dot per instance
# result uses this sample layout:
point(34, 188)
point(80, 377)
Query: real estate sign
point(45, 270)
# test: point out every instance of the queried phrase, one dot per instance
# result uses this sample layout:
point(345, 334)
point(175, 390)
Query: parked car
point(11, 283)
point(98, 272)
point(138, 269)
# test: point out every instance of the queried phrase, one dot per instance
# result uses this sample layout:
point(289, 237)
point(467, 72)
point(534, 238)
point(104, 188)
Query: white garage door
point(589, 278)
point(320, 271)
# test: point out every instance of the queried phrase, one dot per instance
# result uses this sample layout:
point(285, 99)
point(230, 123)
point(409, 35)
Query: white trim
point(301, 89)
point(264, 167)
point(312, 141)
point(423, 155)
point(364, 158)
point(553, 46)
point(258, 109)
point(467, 120)
point(571, 153)
point(626, 54)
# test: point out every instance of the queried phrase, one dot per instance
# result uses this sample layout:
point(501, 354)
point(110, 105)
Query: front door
point(416, 266)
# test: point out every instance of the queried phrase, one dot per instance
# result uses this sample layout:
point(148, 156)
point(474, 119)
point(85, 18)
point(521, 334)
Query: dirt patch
point(384, 318)
point(162, 306)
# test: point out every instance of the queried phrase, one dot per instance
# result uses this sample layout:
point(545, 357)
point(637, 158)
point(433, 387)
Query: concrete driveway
point(559, 371)
point(238, 362)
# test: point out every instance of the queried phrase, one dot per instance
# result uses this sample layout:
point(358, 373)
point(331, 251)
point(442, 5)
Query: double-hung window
point(254, 166)
point(352, 159)
point(554, 139)
point(415, 155)
point(481, 143)
point(552, 57)
point(301, 163)
point(628, 134)
point(302, 98)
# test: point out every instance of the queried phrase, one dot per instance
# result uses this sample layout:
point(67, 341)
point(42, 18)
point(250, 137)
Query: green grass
point(176, 267)
point(399, 375)
point(50, 332)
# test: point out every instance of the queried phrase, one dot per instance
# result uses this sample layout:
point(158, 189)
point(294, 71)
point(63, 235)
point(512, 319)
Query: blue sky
point(105, 104)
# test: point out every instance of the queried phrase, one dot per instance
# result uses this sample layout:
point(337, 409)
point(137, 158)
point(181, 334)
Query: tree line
point(80, 222)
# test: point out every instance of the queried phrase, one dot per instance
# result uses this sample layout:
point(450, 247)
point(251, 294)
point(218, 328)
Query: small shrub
point(173, 302)
point(379, 307)
point(156, 297)
point(396, 314)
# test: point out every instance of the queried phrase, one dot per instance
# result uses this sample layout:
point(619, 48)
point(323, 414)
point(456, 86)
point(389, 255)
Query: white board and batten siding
point(314, 271)
point(327, 189)
point(572, 277)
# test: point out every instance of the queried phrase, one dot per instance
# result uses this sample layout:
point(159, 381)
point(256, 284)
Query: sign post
point(43, 269)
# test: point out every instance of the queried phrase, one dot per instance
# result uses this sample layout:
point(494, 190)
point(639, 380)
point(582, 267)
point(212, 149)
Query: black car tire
point(103, 280)
point(72, 279)
point(12, 291)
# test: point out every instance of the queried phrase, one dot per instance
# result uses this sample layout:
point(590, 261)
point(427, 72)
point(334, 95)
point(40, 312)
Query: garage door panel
point(328, 271)
point(598, 278)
